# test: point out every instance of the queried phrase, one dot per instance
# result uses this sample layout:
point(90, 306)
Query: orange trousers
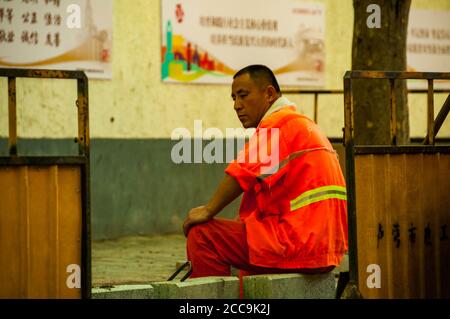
point(215, 246)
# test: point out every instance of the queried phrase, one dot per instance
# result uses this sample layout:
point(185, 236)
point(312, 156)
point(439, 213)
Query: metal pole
point(315, 107)
point(12, 116)
point(83, 147)
point(393, 108)
point(430, 113)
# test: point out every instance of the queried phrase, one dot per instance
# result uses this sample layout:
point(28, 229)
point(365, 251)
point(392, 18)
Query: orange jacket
point(294, 203)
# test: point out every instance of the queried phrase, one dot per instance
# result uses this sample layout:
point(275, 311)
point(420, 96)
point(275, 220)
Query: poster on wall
point(207, 41)
point(428, 45)
point(57, 34)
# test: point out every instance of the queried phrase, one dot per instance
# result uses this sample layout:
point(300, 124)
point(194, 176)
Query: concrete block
point(123, 292)
point(198, 288)
point(234, 271)
point(290, 286)
point(178, 264)
point(341, 270)
point(343, 267)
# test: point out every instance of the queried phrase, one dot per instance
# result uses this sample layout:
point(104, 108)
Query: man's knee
point(198, 231)
point(197, 240)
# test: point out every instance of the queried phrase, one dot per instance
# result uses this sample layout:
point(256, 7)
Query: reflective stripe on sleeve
point(319, 194)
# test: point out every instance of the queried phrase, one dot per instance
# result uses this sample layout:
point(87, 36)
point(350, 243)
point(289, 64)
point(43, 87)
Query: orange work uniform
point(293, 213)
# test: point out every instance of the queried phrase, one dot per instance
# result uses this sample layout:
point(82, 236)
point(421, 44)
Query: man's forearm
point(227, 191)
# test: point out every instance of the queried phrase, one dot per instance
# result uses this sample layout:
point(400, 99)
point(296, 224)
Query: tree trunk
point(382, 49)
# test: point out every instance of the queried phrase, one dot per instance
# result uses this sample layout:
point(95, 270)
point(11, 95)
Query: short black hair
point(260, 73)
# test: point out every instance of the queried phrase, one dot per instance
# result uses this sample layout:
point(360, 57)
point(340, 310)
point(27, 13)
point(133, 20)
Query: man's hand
point(227, 191)
point(195, 216)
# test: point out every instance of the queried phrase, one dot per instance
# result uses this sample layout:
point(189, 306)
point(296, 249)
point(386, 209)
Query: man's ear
point(272, 94)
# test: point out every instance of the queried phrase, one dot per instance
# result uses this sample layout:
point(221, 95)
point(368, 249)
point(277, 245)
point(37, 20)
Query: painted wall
point(133, 116)
point(136, 104)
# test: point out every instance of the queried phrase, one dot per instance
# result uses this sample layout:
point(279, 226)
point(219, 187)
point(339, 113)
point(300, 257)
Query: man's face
point(250, 100)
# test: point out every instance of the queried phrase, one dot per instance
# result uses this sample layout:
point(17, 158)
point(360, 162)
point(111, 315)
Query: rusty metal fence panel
point(337, 141)
point(45, 232)
point(398, 206)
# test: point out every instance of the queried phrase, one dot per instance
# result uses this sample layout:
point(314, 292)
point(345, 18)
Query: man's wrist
point(210, 210)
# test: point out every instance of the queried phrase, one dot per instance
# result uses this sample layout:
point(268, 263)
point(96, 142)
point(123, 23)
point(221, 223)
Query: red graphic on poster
point(179, 13)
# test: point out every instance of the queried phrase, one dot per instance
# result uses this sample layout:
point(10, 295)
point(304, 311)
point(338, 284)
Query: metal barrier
point(398, 205)
point(337, 142)
point(45, 209)
point(317, 93)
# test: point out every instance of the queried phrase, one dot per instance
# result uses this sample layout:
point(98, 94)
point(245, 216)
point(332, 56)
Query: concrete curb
point(123, 292)
point(290, 286)
point(198, 288)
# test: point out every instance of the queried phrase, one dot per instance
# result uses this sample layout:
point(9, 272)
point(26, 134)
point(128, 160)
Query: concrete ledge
point(343, 267)
point(234, 271)
point(123, 292)
point(290, 286)
point(198, 288)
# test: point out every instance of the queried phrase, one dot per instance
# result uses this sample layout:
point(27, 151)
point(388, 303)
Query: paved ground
point(137, 259)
